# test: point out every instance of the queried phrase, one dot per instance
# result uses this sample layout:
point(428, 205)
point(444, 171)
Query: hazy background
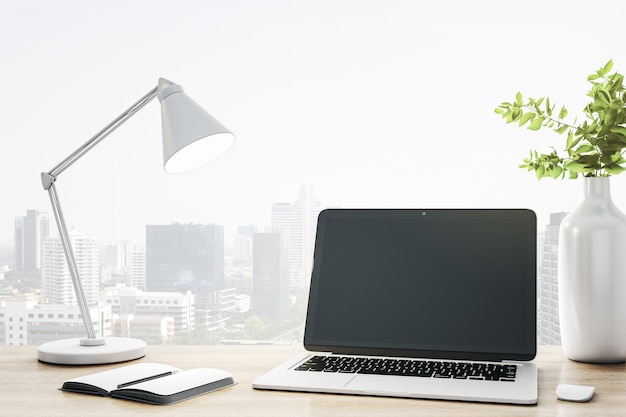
point(383, 103)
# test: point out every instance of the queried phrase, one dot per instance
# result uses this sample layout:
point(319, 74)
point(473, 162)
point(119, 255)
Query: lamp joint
point(47, 180)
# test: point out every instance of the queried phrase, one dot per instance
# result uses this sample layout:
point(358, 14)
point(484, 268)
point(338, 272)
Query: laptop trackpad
point(390, 385)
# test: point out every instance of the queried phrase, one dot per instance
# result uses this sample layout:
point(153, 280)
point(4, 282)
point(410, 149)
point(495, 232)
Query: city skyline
point(142, 291)
point(305, 198)
point(231, 231)
point(267, 270)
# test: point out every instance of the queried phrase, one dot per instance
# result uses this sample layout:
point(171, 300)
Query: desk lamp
point(191, 137)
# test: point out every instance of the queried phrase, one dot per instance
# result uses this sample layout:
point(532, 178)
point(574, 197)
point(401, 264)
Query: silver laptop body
point(410, 303)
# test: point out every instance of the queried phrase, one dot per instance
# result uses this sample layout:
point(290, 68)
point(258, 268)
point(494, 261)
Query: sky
point(375, 103)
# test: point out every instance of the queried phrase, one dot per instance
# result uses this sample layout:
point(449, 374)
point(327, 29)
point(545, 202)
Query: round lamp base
point(72, 352)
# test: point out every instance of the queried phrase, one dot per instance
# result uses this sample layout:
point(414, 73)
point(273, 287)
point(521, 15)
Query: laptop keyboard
point(410, 367)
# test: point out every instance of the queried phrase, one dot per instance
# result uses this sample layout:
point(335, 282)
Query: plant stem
point(549, 118)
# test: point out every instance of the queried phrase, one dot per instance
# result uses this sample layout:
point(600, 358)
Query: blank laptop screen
point(458, 283)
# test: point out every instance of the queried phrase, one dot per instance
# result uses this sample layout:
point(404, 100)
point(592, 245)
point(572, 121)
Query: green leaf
point(608, 66)
point(614, 169)
point(584, 149)
point(617, 81)
point(563, 113)
point(518, 98)
point(536, 123)
point(561, 129)
point(499, 110)
point(617, 158)
point(576, 167)
point(590, 161)
point(516, 113)
point(619, 130)
point(525, 118)
point(540, 171)
point(603, 96)
point(571, 140)
point(556, 172)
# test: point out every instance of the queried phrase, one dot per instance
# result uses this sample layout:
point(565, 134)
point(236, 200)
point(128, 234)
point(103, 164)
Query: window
point(404, 118)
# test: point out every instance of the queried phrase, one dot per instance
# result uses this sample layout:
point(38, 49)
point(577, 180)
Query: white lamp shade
point(191, 136)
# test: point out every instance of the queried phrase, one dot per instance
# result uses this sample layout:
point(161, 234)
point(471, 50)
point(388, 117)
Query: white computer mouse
point(577, 393)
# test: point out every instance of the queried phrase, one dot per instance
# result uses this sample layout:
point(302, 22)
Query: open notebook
point(434, 303)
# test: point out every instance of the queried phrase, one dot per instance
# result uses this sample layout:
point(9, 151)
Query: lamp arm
point(71, 263)
point(48, 180)
point(97, 138)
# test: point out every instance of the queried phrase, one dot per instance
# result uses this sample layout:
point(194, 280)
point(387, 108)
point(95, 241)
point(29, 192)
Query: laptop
point(420, 303)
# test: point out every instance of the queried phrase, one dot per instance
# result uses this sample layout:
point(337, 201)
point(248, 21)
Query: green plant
point(594, 147)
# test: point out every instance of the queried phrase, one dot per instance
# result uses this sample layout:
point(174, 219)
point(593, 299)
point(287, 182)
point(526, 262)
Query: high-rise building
point(298, 222)
point(270, 288)
point(110, 261)
point(548, 332)
point(184, 257)
point(242, 245)
point(57, 282)
point(30, 233)
point(137, 269)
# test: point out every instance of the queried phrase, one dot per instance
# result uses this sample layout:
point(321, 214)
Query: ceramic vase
point(592, 277)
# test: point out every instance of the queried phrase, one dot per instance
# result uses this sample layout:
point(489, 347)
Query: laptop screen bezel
point(528, 352)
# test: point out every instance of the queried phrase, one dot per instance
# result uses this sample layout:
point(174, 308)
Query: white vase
point(592, 277)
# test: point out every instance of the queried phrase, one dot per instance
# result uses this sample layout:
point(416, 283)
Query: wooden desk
point(30, 388)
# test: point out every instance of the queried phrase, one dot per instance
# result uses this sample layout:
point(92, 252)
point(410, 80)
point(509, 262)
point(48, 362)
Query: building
point(57, 282)
point(151, 329)
point(214, 309)
point(548, 332)
point(270, 286)
point(137, 269)
point(298, 222)
point(110, 262)
point(25, 322)
point(184, 257)
point(31, 232)
point(239, 277)
point(242, 245)
point(129, 304)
